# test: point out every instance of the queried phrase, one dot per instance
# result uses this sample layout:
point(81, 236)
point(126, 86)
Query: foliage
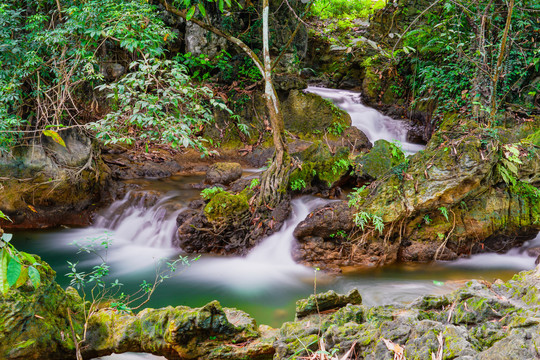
point(507, 167)
point(444, 212)
point(298, 184)
point(158, 103)
point(49, 54)
point(346, 8)
point(450, 59)
point(208, 193)
point(16, 267)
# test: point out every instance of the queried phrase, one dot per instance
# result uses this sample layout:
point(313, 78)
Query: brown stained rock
point(223, 173)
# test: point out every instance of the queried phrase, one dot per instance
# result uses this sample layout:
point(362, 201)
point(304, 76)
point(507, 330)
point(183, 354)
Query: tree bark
point(275, 179)
point(502, 53)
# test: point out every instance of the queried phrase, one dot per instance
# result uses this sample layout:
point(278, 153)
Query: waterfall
point(371, 122)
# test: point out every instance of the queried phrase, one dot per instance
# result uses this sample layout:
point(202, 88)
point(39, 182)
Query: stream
point(267, 282)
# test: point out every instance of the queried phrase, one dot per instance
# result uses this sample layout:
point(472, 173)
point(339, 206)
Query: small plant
point(362, 218)
point(209, 193)
point(339, 234)
point(95, 290)
point(355, 197)
point(298, 184)
point(444, 212)
point(508, 165)
point(427, 219)
point(336, 128)
point(254, 183)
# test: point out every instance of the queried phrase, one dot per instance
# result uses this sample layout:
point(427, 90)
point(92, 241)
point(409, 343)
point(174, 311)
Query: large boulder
point(223, 173)
point(468, 192)
point(308, 113)
point(34, 322)
point(46, 184)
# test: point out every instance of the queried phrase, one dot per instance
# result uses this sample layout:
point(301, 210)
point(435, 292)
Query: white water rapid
point(371, 122)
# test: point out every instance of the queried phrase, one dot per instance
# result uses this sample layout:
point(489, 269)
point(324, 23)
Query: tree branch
point(218, 32)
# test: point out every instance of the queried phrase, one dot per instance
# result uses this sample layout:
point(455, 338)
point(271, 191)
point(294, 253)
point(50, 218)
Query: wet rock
point(319, 168)
point(45, 184)
point(325, 221)
point(442, 203)
point(329, 300)
point(352, 138)
point(223, 173)
point(34, 322)
point(379, 160)
point(479, 321)
point(307, 113)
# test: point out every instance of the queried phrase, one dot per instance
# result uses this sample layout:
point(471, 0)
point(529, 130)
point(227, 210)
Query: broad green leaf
point(190, 13)
point(4, 260)
point(13, 271)
point(220, 5)
point(55, 136)
point(202, 9)
point(34, 276)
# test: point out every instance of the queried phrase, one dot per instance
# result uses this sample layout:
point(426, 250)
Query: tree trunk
point(502, 54)
point(481, 82)
point(275, 179)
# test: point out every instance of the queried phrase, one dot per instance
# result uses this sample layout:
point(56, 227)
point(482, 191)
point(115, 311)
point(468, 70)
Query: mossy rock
point(320, 167)
point(310, 113)
point(326, 301)
point(225, 207)
point(383, 156)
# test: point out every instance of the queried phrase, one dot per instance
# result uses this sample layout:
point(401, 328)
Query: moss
point(227, 207)
point(320, 165)
point(381, 159)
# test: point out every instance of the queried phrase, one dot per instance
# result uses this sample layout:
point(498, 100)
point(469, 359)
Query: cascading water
point(371, 122)
point(267, 282)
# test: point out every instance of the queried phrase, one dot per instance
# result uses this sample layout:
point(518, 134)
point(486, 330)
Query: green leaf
point(29, 258)
point(55, 136)
point(34, 276)
point(4, 260)
point(190, 13)
point(220, 5)
point(4, 216)
point(13, 271)
point(202, 9)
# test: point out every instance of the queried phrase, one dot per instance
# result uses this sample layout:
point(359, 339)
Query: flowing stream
point(372, 123)
point(267, 282)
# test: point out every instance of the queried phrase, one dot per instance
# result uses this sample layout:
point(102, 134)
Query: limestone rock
point(379, 160)
point(45, 184)
point(326, 301)
point(223, 173)
point(306, 113)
